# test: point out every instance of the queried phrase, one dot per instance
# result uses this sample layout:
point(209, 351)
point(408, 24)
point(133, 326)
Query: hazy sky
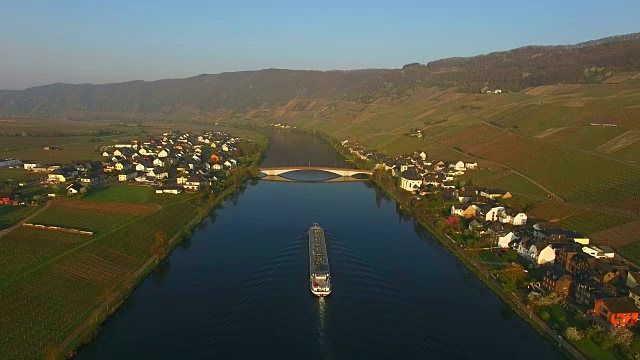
point(42, 42)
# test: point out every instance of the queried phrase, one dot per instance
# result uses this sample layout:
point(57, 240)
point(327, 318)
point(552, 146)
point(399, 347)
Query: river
point(239, 288)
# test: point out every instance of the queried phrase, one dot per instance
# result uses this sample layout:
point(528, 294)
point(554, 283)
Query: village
point(543, 262)
point(172, 163)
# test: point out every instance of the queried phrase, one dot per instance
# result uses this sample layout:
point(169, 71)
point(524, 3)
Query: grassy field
point(7, 174)
point(121, 193)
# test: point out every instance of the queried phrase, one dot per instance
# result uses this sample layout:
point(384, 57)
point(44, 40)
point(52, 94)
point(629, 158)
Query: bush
point(545, 316)
point(621, 335)
point(573, 334)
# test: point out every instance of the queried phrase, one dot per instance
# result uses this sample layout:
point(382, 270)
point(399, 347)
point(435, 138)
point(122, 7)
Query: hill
point(209, 95)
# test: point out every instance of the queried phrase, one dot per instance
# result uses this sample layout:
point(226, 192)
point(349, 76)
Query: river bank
point(205, 203)
point(428, 221)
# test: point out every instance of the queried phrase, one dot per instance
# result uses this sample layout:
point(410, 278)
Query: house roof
point(621, 305)
point(635, 275)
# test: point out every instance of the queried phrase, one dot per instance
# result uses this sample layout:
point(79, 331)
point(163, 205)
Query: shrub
point(545, 316)
point(573, 334)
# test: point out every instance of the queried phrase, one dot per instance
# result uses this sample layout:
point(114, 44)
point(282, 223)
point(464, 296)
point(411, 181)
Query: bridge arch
point(344, 172)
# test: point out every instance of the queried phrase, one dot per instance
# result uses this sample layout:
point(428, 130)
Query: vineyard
point(96, 217)
point(70, 278)
point(121, 193)
point(10, 215)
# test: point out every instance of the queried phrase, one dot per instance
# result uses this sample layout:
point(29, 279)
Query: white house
point(471, 165)
point(158, 162)
point(225, 147)
point(423, 155)
point(520, 219)
point(216, 167)
point(30, 166)
point(460, 165)
point(75, 188)
point(597, 252)
point(505, 239)
point(542, 253)
point(140, 167)
point(163, 153)
point(457, 210)
point(494, 213)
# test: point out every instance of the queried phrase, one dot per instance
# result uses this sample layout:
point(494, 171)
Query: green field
point(7, 174)
point(54, 280)
point(10, 215)
point(121, 193)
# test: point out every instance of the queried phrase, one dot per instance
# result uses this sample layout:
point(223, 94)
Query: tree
point(160, 246)
point(621, 335)
point(573, 334)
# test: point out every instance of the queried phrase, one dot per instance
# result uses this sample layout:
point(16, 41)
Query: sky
point(88, 41)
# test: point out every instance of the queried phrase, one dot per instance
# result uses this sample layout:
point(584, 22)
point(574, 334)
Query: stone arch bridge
point(272, 172)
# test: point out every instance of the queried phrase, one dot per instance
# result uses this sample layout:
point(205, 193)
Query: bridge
point(344, 174)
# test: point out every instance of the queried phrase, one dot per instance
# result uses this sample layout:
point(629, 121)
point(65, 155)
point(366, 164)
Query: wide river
point(239, 288)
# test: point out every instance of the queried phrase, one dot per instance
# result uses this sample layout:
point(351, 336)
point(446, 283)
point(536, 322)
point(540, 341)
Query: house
point(617, 311)
point(559, 235)
point(163, 153)
point(123, 165)
point(75, 188)
point(633, 279)
point(182, 179)
point(556, 281)
point(634, 294)
point(471, 165)
point(193, 183)
point(597, 252)
point(141, 167)
point(588, 291)
point(491, 193)
point(457, 210)
point(505, 238)
point(158, 162)
point(126, 176)
point(460, 166)
point(59, 176)
point(470, 212)
point(542, 253)
point(494, 213)
point(476, 226)
point(30, 166)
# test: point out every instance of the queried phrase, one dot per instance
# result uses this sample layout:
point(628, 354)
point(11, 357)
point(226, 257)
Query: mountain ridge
point(513, 70)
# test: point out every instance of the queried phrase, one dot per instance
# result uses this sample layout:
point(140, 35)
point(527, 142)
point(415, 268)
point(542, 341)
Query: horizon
point(119, 42)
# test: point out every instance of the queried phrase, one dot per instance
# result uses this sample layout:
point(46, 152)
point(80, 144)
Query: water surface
point(238, 289)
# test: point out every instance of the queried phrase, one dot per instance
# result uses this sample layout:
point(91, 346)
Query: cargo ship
point(319, 275)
